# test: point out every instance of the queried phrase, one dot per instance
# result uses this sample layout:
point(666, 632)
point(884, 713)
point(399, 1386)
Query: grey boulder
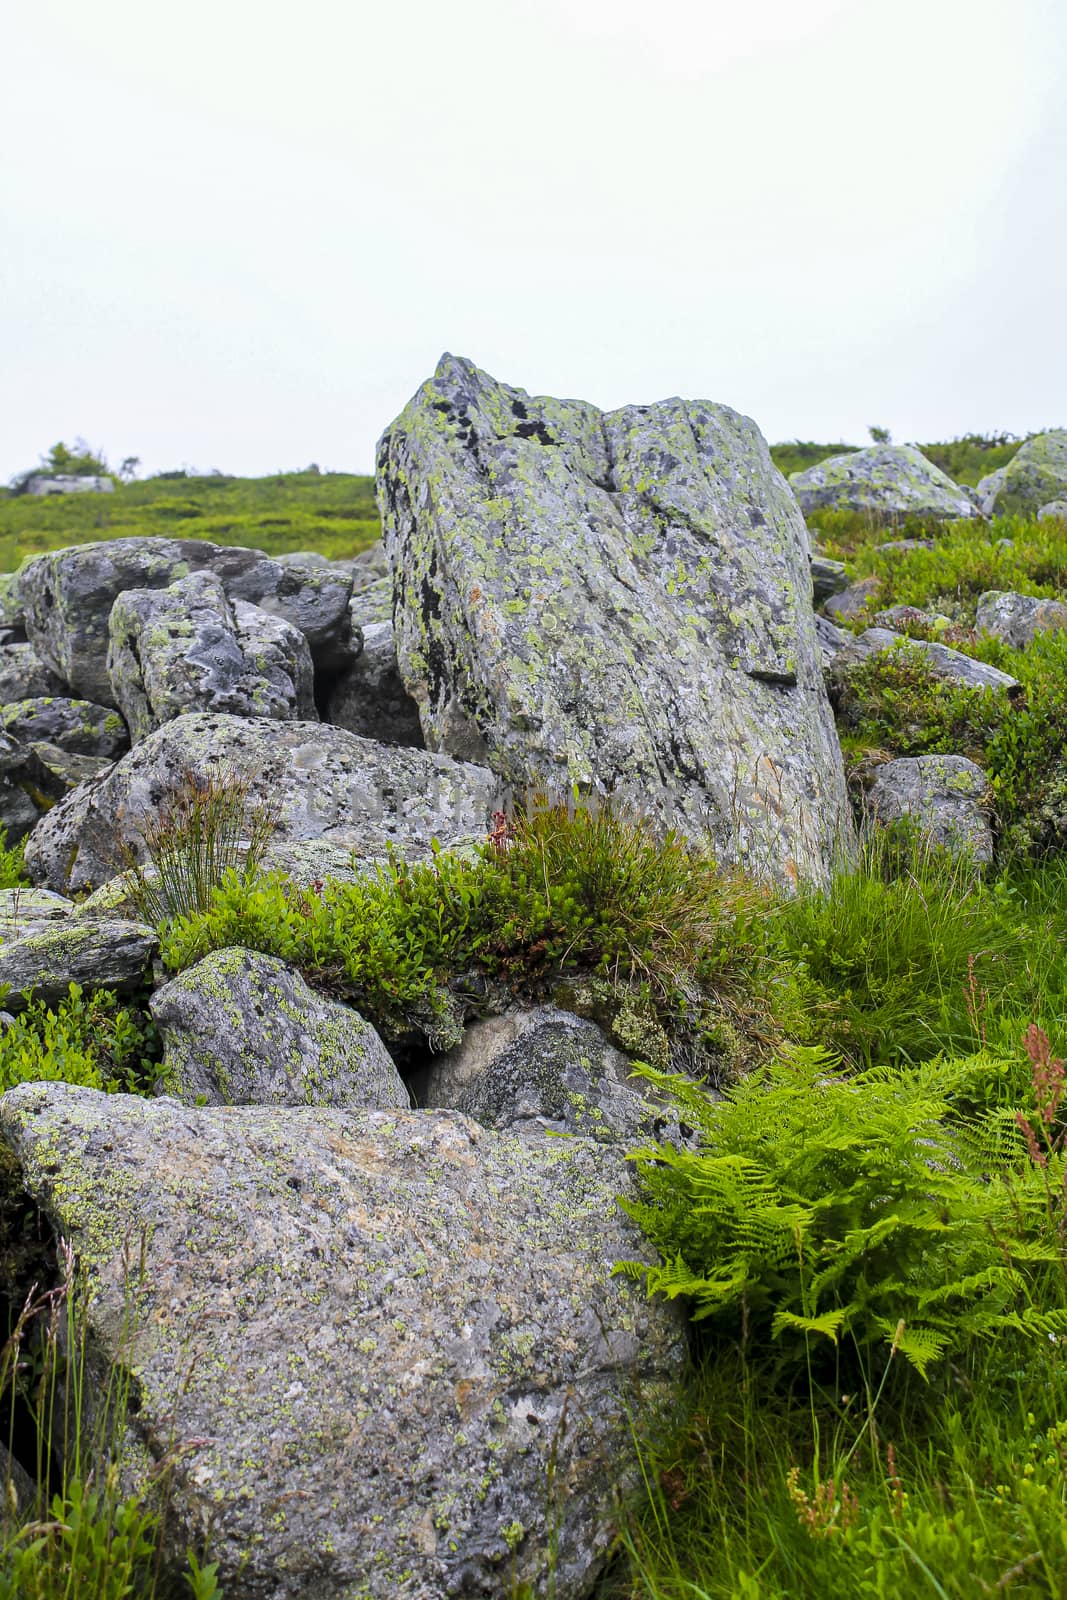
point(944, 662)
point(827, 577)
point(76, 726)
point(187, 648)
point(319, 782)
point(24, 676)
point(886, 481)
point(1036, 474)
point(988, 489)
point(1055, 511)
point(946, 797)
point(240, 1028)
point(99, 953)
point(617, 602)
point(849, 603)
point(68, 595)
point(369, 698)
point(384, 1349)
point(1017, 619)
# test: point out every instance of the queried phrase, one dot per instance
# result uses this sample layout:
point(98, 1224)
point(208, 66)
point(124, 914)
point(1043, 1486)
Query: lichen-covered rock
point(943, 661)
point(831, 638)
point(887, 480)
point(902, 547)
point(65, 770)
point(947, 797)
point(68, 596)
point(370, 698)
point(241, 1029)
point(26, 788)
point(849, 603)
point(26, 911)
point(903, 619)
point(12, 617)
point(24, 676)
point(186, 648)
point(1036, 474)
point(556, 1072)
point(1018, 618)
point(615, 601)
point(987, 490)
point(383, 1349)
point(77, 726)
point(827, 577)
point(372, 604)
point(1055, 511)
point(321, 782)
point(101, 953)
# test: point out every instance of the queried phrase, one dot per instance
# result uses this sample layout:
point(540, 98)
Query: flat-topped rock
point(886, 481)
point(615, 601)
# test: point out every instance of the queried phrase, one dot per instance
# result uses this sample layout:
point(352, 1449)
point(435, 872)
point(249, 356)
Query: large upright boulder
point(887, 481)
point(383, 1352)
point(68, 595)
point(615, 601)
point(188, 648)
point(1036, 474)
point(321, 782)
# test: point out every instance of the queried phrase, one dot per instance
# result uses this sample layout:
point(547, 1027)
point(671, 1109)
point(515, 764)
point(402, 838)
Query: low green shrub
point(12, 866)
point(967, 559)
point(88, 1038)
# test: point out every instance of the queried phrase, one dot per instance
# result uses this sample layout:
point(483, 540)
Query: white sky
point(239, 235)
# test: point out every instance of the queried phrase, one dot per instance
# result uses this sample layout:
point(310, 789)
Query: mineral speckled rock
point(1018, 618)
point(849, 603)
point(322, 782)
point(391, 1340)
point(947, 797)
point(240, 1028)
point(943, 661)
point(99, 953)
point(370, 699)
point(888, 480)
point(77, 726)
point(618, 601)
point(827, 577)
point(68, 595)
point(1036, 474)
point(1055, 511)
point(186, 648)
point(24, 676)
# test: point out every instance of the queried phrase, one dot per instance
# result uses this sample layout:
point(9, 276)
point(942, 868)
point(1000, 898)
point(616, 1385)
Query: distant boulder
point(1018, 618)
point(40, 485)
point(1036, 474)
point(887, 481)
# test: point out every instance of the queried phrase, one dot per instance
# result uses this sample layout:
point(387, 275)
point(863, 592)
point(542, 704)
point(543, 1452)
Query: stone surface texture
point(186, 648)
point(1055, 511)
point(849, 603)
point(98, 953)
point(1018, 618)
point(24, 676)
point(947, 796)
point(1036, 474)
point(944, 661)
point(68, 594)
point(369, 698)
point(887, 480)
point(827, 577)
point(77, 726)
point(321, 782)
point(240, 1028)
point(375, 1332)
point(618, 601)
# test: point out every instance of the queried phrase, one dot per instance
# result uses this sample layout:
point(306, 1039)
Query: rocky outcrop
point(1017, 619)
point(76, 726)
point(887, 481)
point(320, 782)
point(383, 1350)
point(1036, 474)
point(240, 1029)
point(615, 601)
point(68, 595)
point(946, 797)
point(186, 648)
point(370, 699)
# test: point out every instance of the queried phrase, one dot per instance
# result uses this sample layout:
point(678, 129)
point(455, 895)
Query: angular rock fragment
point(947, 797)
point(827, 578)
point(240, 1029)
point(614, 601)
point(99, 953)
point(887, 480)
point(370, 699)
point(1018, 618)
point(385, 1347)
point(321, 782)
point(942, 660)
point(76, 726)
point(848, 604)
point(24, 676)
point(186, 648)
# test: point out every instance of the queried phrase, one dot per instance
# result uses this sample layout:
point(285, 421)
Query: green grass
point(333, 513)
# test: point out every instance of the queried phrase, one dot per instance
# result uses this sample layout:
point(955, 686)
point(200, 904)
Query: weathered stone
point(1055, 511)
point(68, 596)
point(372, 604)
point(852, 602)
point(1017, 619)
point(831, 638)
point(68, 484)
point(78, 726)
point(370, 698)
point(557, 1072)
point(1036, 474)
point(370, 567)
point(943, 661)
point(901, 547)
point(26, 788)
point(322, 782)
point(25, 911)
point(24, 676)
point(614, 601)
point(12, 616)
point(904, 618)
point(988, 489)
point(18, 1493)
point(385, 1348)
point(886, 481)
point(241, 1029)
point(64, 770)
point(947, 797)
point(186, 648)
point(100, 953)
point(827, 578)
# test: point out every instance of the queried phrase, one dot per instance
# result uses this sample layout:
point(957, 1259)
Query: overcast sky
point(239, 235)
